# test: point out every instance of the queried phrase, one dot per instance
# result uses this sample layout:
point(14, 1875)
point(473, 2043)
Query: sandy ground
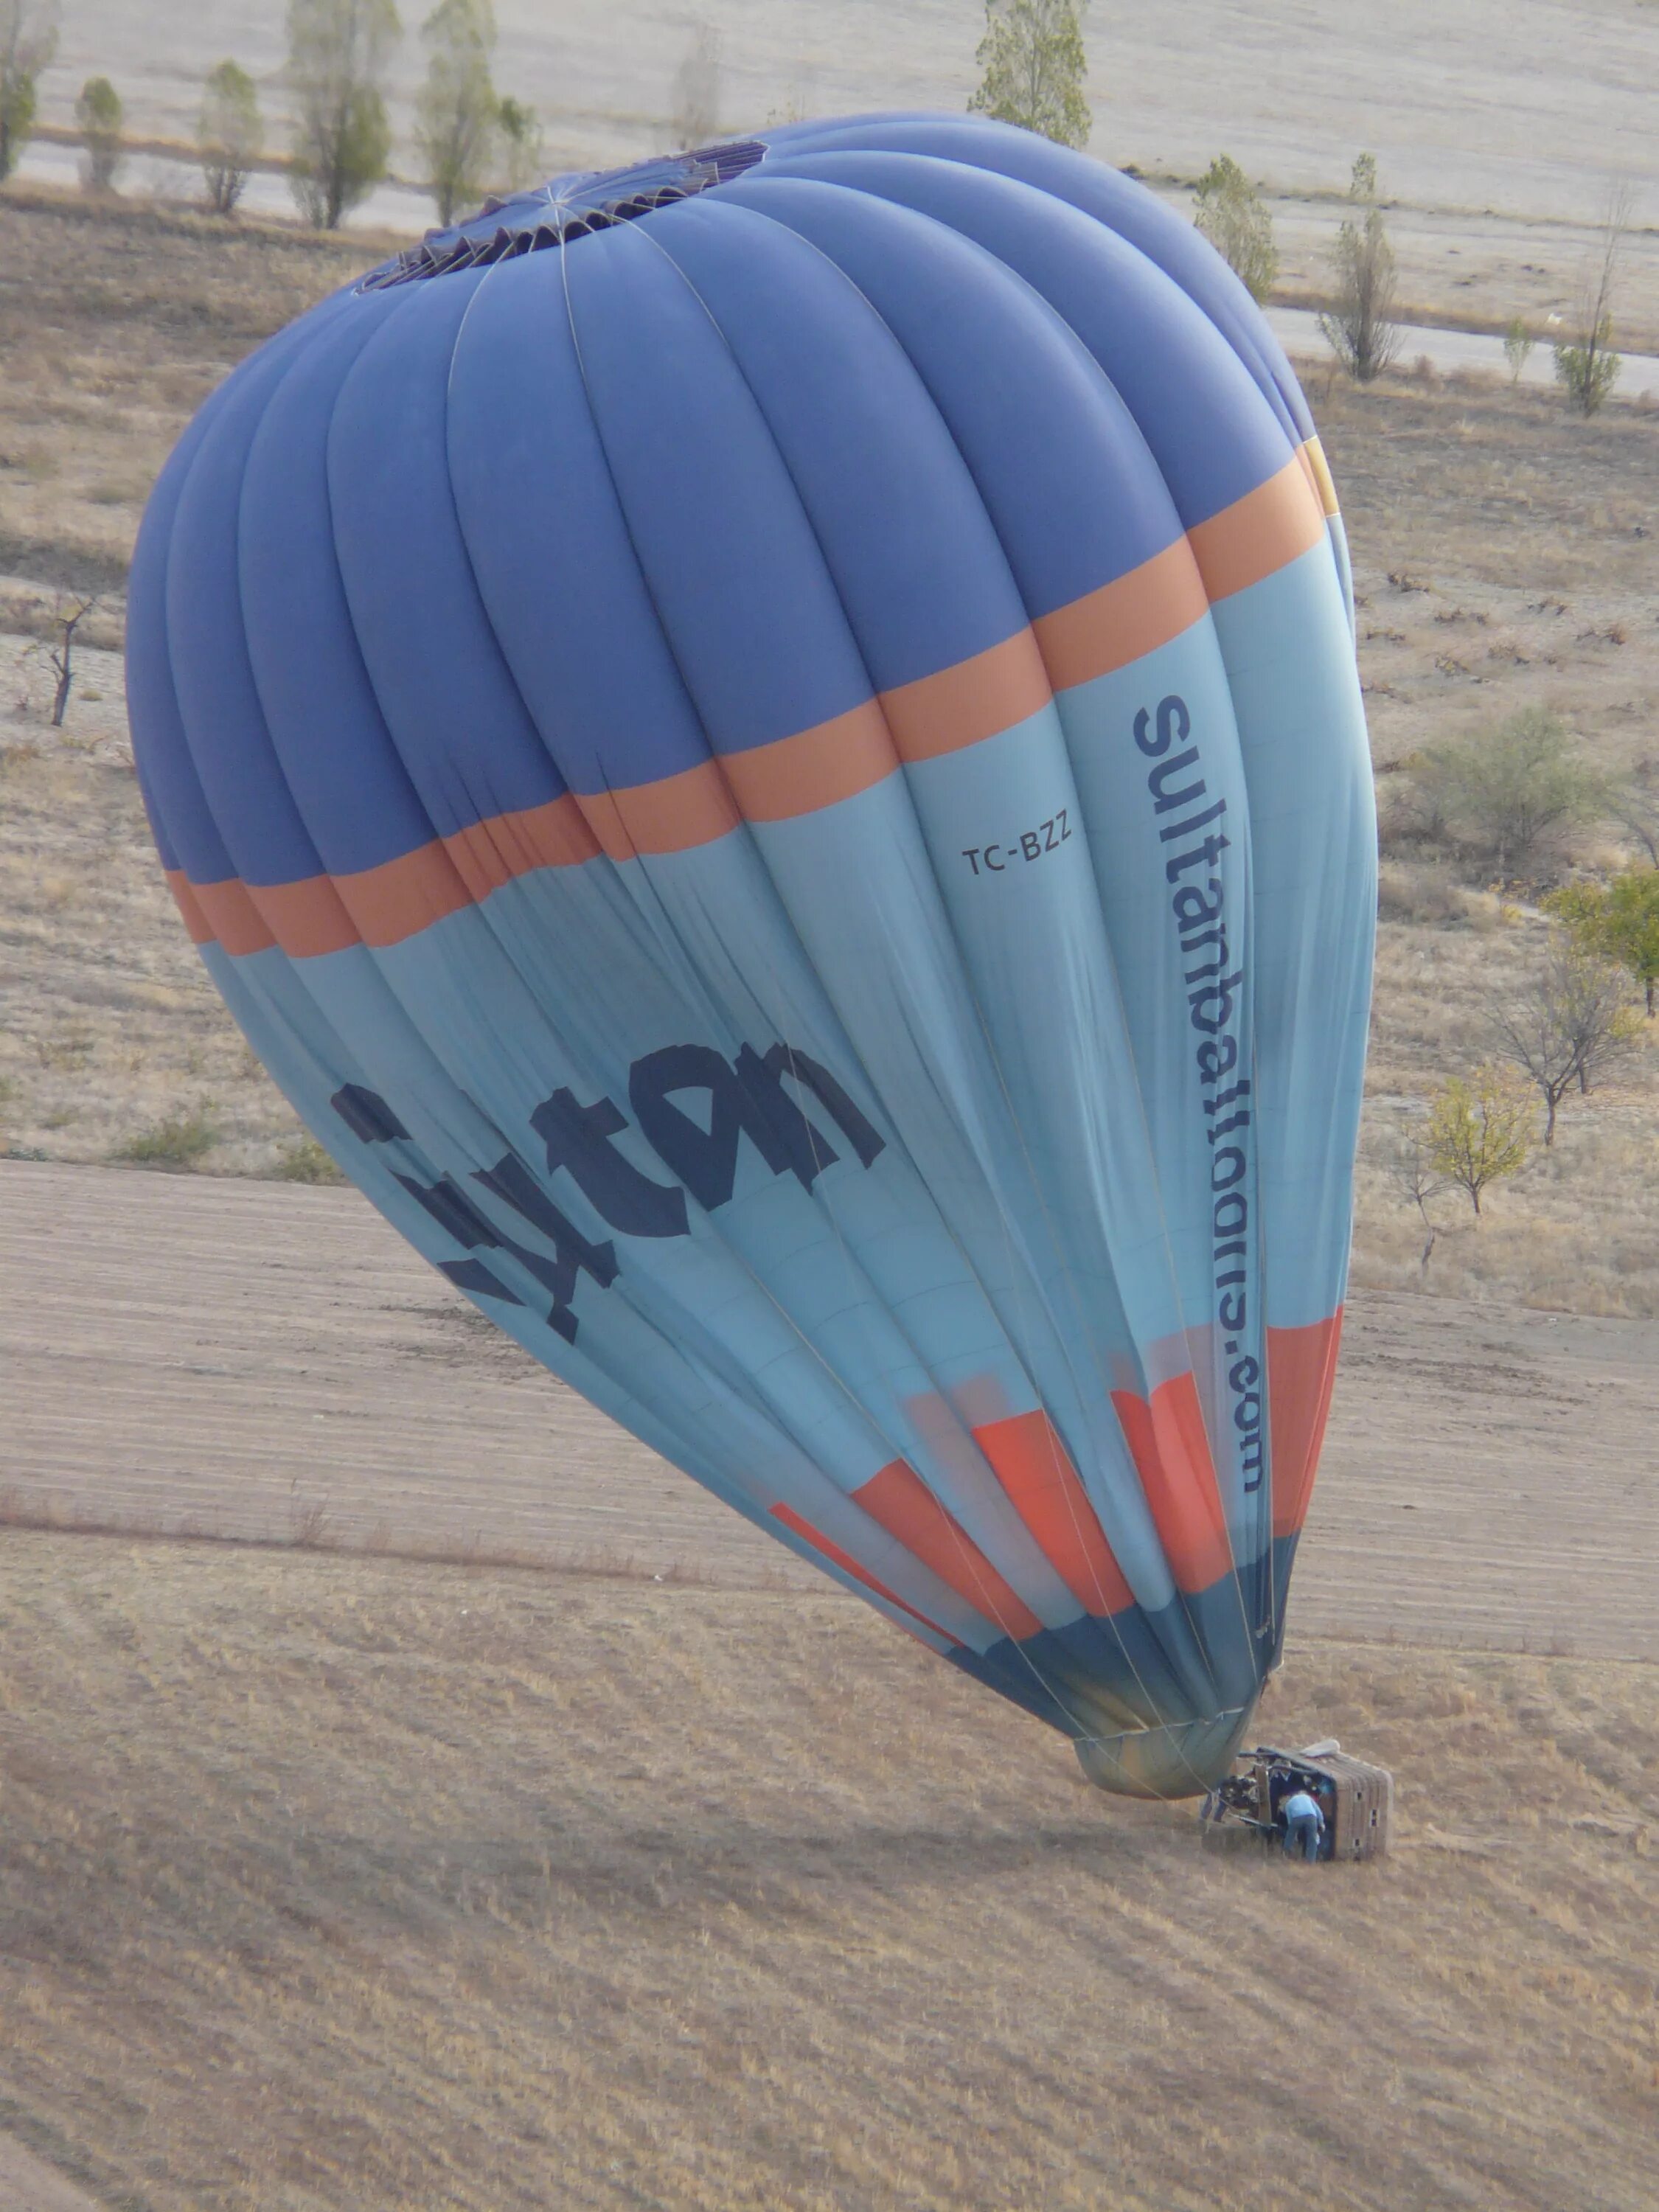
point(27, 2185)
point(345, 1885)
point(240, 1359)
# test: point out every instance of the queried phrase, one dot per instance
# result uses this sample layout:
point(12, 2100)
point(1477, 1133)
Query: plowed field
point(253, 1359)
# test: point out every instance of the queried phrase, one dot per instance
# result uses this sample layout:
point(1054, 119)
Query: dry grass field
point(332, 1883)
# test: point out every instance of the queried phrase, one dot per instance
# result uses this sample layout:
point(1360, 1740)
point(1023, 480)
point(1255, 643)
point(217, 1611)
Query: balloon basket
point(1356, 1798)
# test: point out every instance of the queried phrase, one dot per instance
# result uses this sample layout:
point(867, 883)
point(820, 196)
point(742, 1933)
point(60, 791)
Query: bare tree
point(1572, 1022)
point(228, 135)
point(66, 620)
point(458, 111)
point(697, 99)
point(1586, 366)
point(28, 41)
point(337, 55)
point(1034, 65)
point(1360, 329)
point(1413, 1171)
point(1231, 216)
point(98, 114)
point(1480, 1130)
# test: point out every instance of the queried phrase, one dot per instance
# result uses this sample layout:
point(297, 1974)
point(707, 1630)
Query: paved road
point(254, 1359)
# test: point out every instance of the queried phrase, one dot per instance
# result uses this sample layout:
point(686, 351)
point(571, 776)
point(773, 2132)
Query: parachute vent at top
point(563, 210)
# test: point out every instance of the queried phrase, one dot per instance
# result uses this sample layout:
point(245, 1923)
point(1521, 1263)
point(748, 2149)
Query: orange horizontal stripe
point(1035, 1469)
point(1301, 1370)
point(189, 906)
point(815, 768)
point(845, 1560)
point(1259, 534)
point(1132, 614)
point(493, 852)
point(980, 697)
point(402, 896)
point(898, 1500)
point(670, 816)
point(1171, 1448)
point(233, 917)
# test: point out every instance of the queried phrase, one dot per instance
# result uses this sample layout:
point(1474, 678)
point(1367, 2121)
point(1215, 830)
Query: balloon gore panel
point(767, 748)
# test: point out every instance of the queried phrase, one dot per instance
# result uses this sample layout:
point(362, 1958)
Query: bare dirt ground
point(335, 1882)
point(27, 2185)
point(239, 1359)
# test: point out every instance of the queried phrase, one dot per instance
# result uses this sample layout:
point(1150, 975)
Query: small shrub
point(1509, 793)
point(1231, 216)
point(1517, 349)
point(1587, 373)
point(229, 134)
point(98, 113)
point(178, 1142)
point(304, 1160)
point(1360, 330)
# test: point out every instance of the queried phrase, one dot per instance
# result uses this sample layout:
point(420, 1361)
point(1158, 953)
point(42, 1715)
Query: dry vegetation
point(330, 1883)
point(1506, 554)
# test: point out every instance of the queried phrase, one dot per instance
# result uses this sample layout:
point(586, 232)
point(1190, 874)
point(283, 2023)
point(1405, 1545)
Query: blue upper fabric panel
point(555, 566)
point(334, 752)
point(1111, 198)
point(1050, 449)
point(1182, 384)
point(427, 644)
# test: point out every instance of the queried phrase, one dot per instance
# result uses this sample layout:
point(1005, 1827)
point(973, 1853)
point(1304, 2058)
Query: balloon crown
point(565, 207)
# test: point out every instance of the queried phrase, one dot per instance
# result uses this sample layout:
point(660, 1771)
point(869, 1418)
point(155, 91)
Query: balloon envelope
point(767, 748)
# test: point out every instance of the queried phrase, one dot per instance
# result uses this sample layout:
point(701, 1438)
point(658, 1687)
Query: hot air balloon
point(767, 747)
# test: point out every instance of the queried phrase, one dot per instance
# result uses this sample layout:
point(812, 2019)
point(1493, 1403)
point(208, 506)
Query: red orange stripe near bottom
point(1171, 1448)
point(1300, 1373)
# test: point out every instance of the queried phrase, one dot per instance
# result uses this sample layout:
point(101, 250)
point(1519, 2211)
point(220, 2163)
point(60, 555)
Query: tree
point(1231, 216)
point(1033, 66)
point(1634, 805)
point(1410, 1167)
point(1480, 1131)
point(228, 135)
point(1586, 366)
point(518, 135)
point(1572, 1022)
point(337, 54)
point(1620, 920)
point(1360, 329)
point(695, 118)
point(98, 117)
point(457, 112)
point(1506, 792)
point(28, 41)
point(1517, 349)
